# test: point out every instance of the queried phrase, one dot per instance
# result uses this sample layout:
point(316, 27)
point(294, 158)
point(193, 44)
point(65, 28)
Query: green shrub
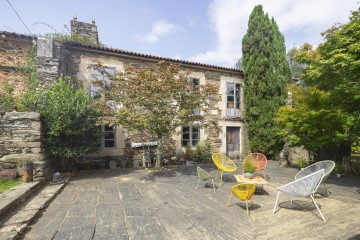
point(69, 122)
point(302, 163)
point(202, 151)
point(339, 168)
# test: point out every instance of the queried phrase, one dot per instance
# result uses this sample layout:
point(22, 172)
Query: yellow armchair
point(224, 164)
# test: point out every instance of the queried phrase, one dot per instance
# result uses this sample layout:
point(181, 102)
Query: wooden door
point(233, 142)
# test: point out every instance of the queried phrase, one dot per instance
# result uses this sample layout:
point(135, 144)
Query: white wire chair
point(328, 167)
point(303, 187)
point(204, 176)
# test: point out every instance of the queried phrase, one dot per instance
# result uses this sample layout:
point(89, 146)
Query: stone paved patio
point(135, 204)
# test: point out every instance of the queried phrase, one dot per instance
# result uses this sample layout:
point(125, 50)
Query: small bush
point(302, 163)
point(339, 168)
point(202, 152)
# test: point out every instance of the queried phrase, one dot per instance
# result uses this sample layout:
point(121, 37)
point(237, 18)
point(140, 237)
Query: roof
point(129, 53)
point(121, 51)
point(16, 35)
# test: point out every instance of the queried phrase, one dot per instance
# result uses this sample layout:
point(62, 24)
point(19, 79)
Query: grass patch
point(7, 184)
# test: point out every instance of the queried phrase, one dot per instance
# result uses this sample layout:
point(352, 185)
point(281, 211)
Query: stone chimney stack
point(85, 30)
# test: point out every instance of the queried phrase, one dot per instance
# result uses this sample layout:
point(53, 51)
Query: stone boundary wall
point(21, 141)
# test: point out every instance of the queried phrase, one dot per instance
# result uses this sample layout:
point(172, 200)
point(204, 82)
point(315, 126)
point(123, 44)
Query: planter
point(338, 175)
point(28, 166)
point(28, 172)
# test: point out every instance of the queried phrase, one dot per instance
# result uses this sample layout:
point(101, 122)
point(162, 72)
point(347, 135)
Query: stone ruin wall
point(21, 141)
point(13, 54)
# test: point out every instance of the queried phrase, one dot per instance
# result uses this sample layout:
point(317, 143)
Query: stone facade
point(85, 30)
point(14, 51)
point(21, 141)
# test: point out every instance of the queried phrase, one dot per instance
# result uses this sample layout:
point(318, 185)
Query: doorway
point(233, 142)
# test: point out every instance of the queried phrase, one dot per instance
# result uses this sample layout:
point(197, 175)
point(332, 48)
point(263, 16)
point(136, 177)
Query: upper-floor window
point(190, 135)
point(233, 99)
point(195, 82)
point(96, 76)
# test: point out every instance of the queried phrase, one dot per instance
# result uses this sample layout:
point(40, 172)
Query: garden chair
point(327, 165)
point(204, 176)
point(224, 164)
point(259, 159)
point(244, 191)
point(303, 187)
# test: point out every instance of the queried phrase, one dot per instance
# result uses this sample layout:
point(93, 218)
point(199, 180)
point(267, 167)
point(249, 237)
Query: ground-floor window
point(109, 136)
point(190, 135)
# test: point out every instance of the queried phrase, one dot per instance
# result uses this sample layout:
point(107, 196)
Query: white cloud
point(159, 29)
point(299, 21)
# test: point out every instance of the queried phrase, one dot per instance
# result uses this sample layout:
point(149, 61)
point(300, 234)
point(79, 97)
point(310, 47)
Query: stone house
point(226, 130)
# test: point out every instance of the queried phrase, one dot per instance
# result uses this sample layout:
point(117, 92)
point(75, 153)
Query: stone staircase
point(22, 204)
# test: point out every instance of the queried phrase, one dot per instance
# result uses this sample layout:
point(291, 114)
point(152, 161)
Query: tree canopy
point(327, 109)
point(156, 99)
point(267, 72)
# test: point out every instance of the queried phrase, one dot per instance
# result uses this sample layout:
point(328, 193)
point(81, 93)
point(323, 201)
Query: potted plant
point(302, 163)
point(249, 168)
point(339, 169)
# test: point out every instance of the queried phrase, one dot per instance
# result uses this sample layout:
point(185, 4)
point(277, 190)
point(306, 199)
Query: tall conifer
point(266, 71)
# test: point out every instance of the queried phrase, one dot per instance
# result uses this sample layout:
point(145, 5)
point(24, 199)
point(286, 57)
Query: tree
point(326, 111)
point(156, 100)
point(69, 122)
point(296, 67)
point(266, 72)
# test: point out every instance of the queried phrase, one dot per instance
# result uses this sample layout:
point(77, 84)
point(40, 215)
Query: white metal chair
point(303, 187)
point(204, 176)
point(328, 167)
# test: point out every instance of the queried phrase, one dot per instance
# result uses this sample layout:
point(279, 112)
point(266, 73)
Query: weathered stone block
point(21, 158)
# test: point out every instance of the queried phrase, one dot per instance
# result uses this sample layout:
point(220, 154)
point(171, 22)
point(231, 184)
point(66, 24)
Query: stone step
point(9, 199)
point(14, 222)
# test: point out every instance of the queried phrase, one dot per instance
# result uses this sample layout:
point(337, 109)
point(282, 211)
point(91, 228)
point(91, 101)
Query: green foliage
point(202, 151)
point(302, 163)
point(7, 101)
point(339, 168)
point(29, 100)
point(69, 122)
point(188, 153)
point(25, 101)
point(249, 166)
point(326, 111)
point(267, 72)
point(7, 184)
point(156, 99)
point(296, 67)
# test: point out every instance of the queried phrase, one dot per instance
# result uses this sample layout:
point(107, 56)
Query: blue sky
point(206, 31)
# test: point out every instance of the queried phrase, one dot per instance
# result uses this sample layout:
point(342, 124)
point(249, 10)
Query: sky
point(204, 31)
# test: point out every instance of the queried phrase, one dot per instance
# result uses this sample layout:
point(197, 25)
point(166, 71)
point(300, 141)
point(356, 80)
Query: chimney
point(85, 30)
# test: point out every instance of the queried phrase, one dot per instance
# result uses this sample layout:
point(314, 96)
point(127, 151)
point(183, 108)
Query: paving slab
point(136, 204)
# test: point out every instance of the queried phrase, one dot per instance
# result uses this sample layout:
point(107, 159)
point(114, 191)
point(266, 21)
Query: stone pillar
point(48, 61)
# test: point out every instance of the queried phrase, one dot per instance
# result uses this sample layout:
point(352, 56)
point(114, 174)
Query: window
point(232, 99)
point(195, 82)
point(95, 75)
point(190, 135)
point(108, 139)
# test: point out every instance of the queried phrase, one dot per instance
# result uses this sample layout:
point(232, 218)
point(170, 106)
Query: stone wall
point(21, 141)
point(14, 51)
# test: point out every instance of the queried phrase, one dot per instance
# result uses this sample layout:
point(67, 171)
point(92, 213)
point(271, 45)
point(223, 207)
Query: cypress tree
point(267, 72)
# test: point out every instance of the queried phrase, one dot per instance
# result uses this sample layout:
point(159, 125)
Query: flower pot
point(338, 175)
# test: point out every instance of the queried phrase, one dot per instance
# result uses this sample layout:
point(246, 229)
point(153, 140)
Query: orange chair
point(260, 160)
point(244, 191)
point(224, 164)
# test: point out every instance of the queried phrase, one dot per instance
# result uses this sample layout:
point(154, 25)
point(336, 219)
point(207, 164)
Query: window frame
point(190, 132)
point(104, 139)
point(95, 75)
point(233, 111)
